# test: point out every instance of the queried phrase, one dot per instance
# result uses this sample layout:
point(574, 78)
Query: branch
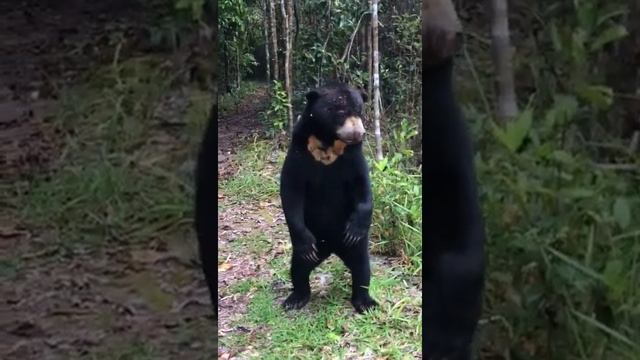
point(347, 50)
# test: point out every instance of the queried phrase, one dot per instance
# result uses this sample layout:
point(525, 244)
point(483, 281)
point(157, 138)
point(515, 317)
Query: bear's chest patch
point(325, 155)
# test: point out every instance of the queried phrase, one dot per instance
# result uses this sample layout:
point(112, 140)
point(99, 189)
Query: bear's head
point(335, 112)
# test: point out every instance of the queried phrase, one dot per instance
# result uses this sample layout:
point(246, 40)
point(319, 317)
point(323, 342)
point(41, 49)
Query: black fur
point(326, 204)
point(206, 205)
point(453, 227)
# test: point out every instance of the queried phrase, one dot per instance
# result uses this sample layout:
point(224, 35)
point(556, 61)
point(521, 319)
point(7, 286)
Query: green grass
point(107, 199)
point(117, 178)
point(328, 327)
point(254, 181)
point(242, 286)
point(255, 243)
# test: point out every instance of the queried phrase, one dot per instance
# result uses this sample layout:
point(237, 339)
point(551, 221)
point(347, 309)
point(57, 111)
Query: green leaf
point(564, 109)
point(515, 131)
point(614, 33)
point(578, 41)
point(567, 107)
point(622, 212)
point(381, 165)
point(604, 17)
point(599, 96)
point(587, 14)
point(612, 272)
point(544, 151)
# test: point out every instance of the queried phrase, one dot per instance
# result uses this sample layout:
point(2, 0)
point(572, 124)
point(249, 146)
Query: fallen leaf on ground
point(224, 266)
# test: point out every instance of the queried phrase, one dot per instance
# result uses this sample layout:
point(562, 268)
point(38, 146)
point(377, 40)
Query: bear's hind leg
point(357, 260)
point(300, 271)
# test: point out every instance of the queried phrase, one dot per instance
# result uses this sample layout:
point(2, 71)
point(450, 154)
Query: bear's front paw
point(307, 251)
point(296, 301)
point(354, 232)
point(363, 303)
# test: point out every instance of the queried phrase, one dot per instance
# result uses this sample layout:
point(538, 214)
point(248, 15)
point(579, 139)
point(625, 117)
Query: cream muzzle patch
point(352, 130)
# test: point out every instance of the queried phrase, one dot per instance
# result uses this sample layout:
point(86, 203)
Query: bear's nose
point(357, 135)
point(341, 112)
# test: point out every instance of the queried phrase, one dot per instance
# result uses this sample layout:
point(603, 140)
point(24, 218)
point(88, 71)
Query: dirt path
point(237, 221)
point(238, 128)
point(118, 301)
point(137, 301)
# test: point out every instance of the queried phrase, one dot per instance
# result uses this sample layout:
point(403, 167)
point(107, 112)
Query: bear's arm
point(363, 209)
point(292, 193)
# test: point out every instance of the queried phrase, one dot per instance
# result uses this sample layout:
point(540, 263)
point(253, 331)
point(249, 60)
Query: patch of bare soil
point(61, 306)
point(48, 44)
point(235, 223)
point(27, 141)
point(238, 129)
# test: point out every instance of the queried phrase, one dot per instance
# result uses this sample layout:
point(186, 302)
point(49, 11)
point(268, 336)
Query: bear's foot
point(363, 303)
point(296, 301)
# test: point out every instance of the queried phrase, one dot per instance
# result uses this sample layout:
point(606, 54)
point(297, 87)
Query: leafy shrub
point(563, 249)
point(397, 191)
point(276, 115)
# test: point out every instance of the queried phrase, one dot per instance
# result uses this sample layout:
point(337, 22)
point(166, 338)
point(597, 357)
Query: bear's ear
point(312, 96)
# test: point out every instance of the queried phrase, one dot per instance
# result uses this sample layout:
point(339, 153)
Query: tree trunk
point(376, 79)
point(237, 66)
point(370, 59)
point(502, 55)
point(287, 60)
point(266, 38)
point(274, 39)
point(290, 37)
point(227, 80)
point(362, 41)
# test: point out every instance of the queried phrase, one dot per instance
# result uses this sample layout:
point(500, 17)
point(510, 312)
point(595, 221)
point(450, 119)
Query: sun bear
point(326, 192)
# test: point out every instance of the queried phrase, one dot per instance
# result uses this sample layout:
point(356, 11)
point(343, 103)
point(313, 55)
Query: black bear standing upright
point(206, 205)
point(326, 192)
point(453, 226)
